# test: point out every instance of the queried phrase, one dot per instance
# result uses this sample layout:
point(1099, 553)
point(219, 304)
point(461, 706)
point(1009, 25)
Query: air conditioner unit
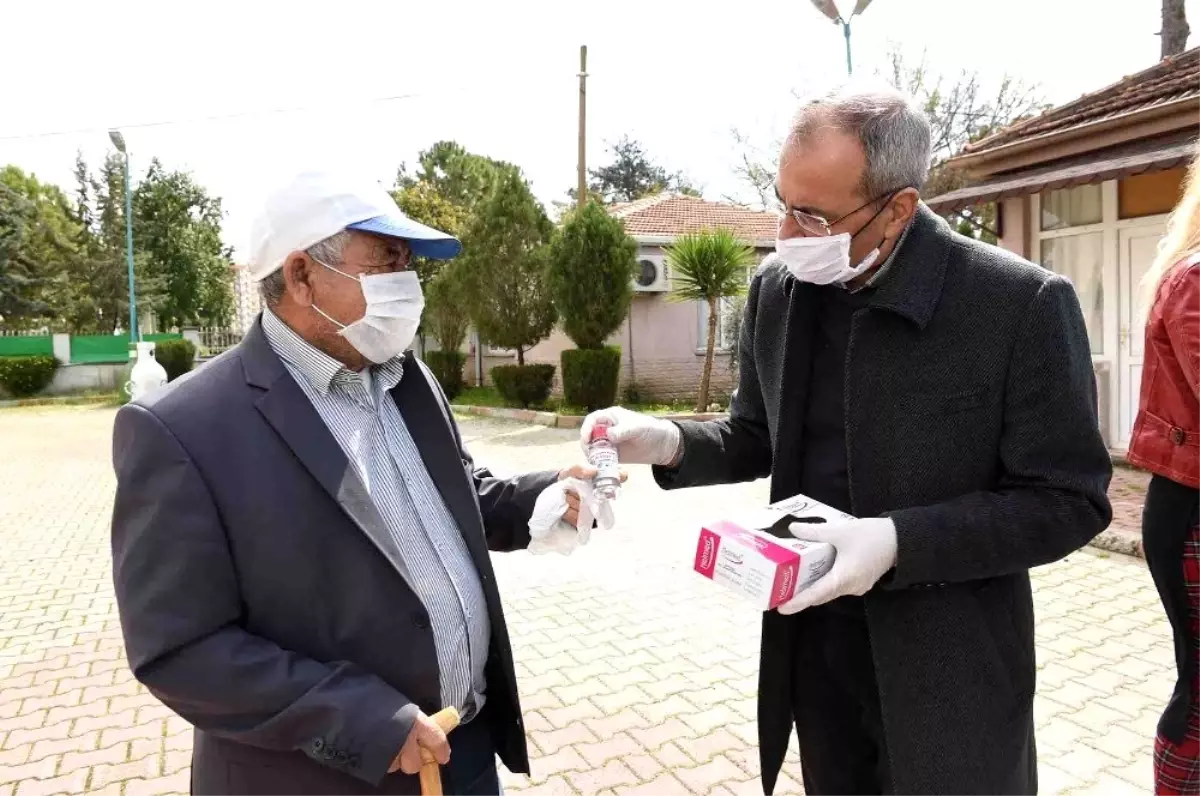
point(651, 275)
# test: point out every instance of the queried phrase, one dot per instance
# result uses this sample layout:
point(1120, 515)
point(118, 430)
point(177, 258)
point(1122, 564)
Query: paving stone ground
point(637, 675)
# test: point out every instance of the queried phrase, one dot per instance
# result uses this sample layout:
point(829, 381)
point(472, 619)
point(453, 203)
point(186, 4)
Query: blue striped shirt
point(433, 556)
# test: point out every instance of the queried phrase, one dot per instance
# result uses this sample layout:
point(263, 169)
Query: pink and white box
point(743, 554)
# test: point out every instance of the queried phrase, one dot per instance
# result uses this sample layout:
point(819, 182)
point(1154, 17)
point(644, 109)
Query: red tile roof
point(1171, 80)
point(667, 214)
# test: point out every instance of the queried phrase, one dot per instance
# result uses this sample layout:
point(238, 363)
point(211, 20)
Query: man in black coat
point(300, 538)
point(941, 390)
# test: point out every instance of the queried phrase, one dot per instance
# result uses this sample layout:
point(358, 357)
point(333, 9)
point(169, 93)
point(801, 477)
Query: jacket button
point(420, 620)
point(353, 761)
point(1178, 435)
point(329, 753)
point(341, 758)
point(318, 745)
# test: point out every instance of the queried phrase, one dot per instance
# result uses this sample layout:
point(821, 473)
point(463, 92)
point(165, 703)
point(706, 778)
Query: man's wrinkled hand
point(425, 734)
point(866, 550)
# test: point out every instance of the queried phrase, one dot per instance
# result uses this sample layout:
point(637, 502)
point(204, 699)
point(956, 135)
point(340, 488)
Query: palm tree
point(708, 266)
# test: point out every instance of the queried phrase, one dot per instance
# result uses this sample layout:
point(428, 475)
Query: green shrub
point(176, 356)
point(447, 367)
point(26, 376)
point(523, 385)
point(590, 377)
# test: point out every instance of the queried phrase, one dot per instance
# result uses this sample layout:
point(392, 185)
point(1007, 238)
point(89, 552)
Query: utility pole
point(581, 191)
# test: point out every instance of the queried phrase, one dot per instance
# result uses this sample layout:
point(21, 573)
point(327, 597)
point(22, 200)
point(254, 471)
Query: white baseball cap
point(314, 205)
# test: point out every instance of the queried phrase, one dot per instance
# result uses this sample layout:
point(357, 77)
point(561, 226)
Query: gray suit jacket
point(254, 599)
point(971, 421)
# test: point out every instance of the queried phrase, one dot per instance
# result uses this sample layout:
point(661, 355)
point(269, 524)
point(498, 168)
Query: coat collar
point(914, 279)
point(914, 282)
point(288, 410)
point(259, 361)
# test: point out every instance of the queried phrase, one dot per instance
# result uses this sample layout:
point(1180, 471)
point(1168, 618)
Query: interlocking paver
point(553, 740)
point(612, 774)
point(73, 782)
point(577, 712)
point(660, 785)
point(636, 675)
point(566, 759)
point(704, 748)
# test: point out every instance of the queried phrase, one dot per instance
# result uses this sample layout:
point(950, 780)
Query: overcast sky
point(305, 81)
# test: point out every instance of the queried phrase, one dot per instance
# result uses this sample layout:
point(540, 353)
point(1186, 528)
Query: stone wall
point(678, 379)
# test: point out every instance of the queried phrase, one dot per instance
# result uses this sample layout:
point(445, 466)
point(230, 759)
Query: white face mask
point(394, 305)
point(822, 260)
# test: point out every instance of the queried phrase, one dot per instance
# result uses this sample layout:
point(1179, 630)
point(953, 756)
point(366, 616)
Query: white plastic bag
point(550, 533)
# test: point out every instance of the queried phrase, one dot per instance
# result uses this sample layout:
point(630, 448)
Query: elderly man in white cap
point(300, 539)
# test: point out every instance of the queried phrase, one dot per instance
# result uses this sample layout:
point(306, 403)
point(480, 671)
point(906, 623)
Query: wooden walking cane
point(431, 773)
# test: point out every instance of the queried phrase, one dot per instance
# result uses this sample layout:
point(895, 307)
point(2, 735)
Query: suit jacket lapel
point(430, 431)
point(291, 414)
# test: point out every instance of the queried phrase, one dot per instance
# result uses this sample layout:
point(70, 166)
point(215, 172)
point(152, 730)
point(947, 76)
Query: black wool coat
point(971, 421)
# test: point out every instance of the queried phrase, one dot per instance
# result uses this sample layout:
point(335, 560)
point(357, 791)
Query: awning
point(1094, 167)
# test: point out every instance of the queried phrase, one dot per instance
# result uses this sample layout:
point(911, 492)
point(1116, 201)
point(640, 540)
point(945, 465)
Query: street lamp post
point(119, 142)
point(829, 9)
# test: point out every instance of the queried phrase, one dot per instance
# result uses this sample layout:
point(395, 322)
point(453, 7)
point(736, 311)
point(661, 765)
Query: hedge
point(590, 376)
point(26, 376)
point(447, 367)
point(523, 385)
point(176, 356)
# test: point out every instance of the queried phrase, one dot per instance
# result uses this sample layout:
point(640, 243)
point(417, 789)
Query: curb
point(552, 419)
point(1119, 540)
point(64, 400)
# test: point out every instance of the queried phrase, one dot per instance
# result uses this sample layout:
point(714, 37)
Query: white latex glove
point(639, 439)
point(866, 550)
point(550, 533)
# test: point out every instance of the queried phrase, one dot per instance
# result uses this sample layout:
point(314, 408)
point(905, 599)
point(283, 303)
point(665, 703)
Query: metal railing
point(45, 330)
point(216, 340)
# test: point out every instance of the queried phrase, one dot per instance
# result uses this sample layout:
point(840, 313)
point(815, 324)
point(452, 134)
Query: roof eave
point(1088, 172)
point(992, 161)
point(666, 240)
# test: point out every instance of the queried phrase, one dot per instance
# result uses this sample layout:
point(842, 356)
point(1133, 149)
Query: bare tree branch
point(960, 110)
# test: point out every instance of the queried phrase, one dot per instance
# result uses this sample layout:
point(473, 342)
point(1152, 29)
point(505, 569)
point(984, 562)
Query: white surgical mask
point(394, 305)
point(822, 260)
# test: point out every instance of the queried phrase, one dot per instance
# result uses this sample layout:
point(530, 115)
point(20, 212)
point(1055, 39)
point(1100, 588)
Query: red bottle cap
point(599, 432)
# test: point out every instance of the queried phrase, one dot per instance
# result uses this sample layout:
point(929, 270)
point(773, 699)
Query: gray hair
point(329, 251)
point(894, 132)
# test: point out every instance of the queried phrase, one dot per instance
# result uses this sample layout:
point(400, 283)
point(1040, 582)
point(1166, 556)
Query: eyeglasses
point(816, 226)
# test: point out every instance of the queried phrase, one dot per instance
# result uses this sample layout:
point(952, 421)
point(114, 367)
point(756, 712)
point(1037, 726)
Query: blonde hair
point(1182, 239)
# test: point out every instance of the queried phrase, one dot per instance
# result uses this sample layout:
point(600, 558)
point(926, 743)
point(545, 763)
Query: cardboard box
point(755, 554)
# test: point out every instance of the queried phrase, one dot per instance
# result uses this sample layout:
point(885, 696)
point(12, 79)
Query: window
point(727, 323)
point(1071, 207)
point(1080, 259)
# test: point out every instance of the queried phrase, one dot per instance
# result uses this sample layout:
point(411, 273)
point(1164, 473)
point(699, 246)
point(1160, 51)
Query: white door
point(1137, 247)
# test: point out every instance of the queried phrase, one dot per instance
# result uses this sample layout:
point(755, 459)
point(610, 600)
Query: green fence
point(108, 347)
point(27, 346)
point(85, 348)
